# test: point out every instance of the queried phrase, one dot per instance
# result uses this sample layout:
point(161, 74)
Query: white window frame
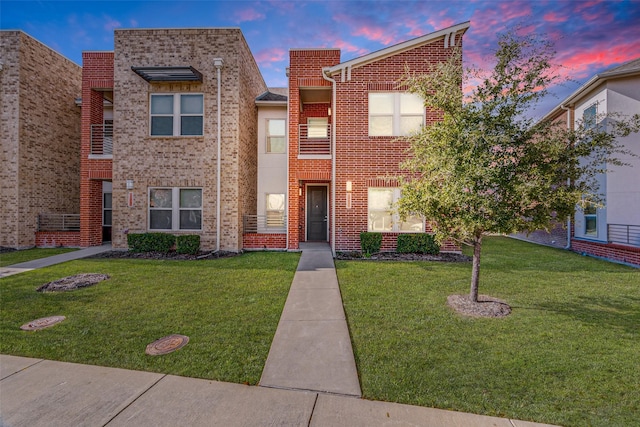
point(397, 226)
point(317, 127)
point(175, 208)
point(396, 114)
point(268, 148)
point(176, 114)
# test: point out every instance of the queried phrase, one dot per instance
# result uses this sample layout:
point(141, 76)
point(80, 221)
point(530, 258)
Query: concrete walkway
point(311, 349)
point(36, 392)
point(56, 259)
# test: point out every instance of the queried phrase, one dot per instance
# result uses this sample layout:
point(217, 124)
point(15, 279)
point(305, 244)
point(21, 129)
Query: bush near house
point(417, 244)
point(370, 242)
point(150, 242)
point(188, 244)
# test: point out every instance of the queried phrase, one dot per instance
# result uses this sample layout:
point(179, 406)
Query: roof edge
point(397, 48)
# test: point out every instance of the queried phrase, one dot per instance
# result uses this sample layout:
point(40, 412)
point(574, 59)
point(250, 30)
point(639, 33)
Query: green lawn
point(568, 354)
point(15, 257)
point(228, 307)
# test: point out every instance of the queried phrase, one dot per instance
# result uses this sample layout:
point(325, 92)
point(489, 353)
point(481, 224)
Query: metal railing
point(271, 223)
point(101, 139)
point(314, 140)
point(625, 234)
point(58, 222)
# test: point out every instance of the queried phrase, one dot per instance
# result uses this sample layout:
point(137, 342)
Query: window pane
point(161, 104)
point(191, 104)
point(411, 104)
point(191, 125)
point(107, 201)
point(190, 220)
point(380, 221)
point(380, 199)
point(381, 126)
point(160, 198)
point(106, 219)
point(589, 116)
point(161, 125)
point(160, 219)
point(276, 127)
point(275, 144)
point(190, 198)
point(317, 128)
point(591, 225)
point(275, 202)
point(413, 223)
point(275, 219)
point(410, 124)
point(380, 103)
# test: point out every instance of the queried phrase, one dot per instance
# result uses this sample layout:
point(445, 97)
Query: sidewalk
point(56, 259)
point(36, 392)
point(310, 377)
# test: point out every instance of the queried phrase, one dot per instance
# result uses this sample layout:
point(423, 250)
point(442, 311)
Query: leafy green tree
point(488, 168)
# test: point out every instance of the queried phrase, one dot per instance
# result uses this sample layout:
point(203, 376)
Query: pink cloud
point(266, 57)
point(245, 15)
point(111, 24)
point(554, 17)
point(375, 33)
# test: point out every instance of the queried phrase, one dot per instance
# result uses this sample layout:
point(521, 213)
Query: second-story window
point(177, 114)
point(276, 142)
point(395, 113)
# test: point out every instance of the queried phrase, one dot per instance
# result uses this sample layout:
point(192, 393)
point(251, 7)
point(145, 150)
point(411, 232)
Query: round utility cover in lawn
point(167, 344)
point(43, 322)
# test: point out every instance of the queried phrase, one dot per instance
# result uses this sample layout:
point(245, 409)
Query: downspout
point(217, 62)
point(288, 201)
point(332, 223)
point(568, 246)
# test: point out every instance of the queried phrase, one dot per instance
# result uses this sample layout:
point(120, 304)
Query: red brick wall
point(54, 239)
point(97, 73)
point(627, 254)
point(362, 159)
point(264, 241)
point(305, 71)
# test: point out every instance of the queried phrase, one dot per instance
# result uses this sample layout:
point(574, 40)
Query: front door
point(317, 214)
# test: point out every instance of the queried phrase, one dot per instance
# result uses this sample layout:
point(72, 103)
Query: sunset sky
point(590, 36)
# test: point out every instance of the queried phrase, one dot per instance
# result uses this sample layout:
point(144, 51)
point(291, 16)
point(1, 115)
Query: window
point(590, 220)
point(176, 114)
point(275, 210)
point(318, 127)
point(382, 216)
point(589, 116)
point(276, 142)
point(106, 210)
point(395, 113)
point(175, 209)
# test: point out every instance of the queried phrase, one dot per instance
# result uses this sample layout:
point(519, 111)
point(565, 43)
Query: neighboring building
point(39, 134)
point(613, 231)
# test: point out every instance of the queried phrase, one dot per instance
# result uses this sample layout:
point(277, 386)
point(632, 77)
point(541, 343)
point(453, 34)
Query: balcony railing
point(101, 139)
point(271, 223)
point(58, 222)
point(314, 140)
point(624, 234)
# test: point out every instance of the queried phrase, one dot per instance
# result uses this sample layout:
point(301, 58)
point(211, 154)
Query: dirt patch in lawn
point(394, 256)
point(171, 255)
point(485, 307)
point(73, 282)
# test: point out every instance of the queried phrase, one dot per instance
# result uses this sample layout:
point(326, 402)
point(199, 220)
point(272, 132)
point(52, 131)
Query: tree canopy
point(487, 167)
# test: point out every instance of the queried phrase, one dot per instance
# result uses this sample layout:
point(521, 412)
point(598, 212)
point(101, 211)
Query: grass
point(568, 353)
point(15, 257)
point(229, 308)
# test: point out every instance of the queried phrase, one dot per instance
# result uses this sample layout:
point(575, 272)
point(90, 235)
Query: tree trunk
point(475, 272)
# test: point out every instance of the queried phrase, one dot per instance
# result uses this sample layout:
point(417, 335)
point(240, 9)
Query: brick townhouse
point(39, 135)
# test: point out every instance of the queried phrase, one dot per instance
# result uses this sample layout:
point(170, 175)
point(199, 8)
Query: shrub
point(419, 243)
point(188, 244)
point(370, 242)
point(150, 242)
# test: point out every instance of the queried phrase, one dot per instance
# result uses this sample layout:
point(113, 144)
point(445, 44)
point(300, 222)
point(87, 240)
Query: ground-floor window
point(590, 220)
point(175, 208)
point(383, 217)
point(275, 210)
